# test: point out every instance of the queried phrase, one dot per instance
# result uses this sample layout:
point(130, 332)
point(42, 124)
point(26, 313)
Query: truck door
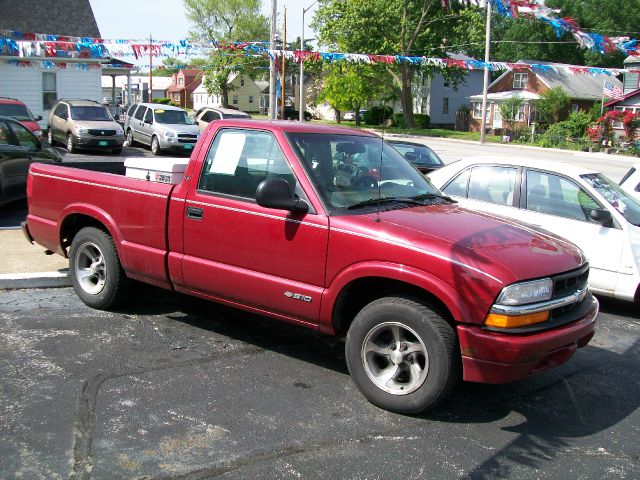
point(237, 250)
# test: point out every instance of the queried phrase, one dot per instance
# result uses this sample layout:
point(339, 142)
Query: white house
point(245, 94)
point(40, 84)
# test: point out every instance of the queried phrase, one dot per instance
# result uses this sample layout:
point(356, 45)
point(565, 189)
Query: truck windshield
point(353, 173)
point(173, 117)
point(91, 114)
point(17, 111)
point(627, 206)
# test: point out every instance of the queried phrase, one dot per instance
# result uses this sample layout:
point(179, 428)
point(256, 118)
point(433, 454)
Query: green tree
point(348, 86)
point(509, 110)
point(227, 21)
point(405, 27)
point(552, 104)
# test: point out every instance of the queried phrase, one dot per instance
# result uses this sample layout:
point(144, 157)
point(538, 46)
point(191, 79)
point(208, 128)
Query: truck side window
point(239, 160)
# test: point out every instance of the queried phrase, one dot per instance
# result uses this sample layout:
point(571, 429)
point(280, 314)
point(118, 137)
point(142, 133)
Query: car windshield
point(17, 111)
point(91, 114)
point(418, 154)
point(173, 117)
point(627, 206)
point(353, 173)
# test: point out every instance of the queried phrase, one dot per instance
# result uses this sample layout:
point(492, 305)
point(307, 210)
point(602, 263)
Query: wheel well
point(73, 224)
point(359, 293)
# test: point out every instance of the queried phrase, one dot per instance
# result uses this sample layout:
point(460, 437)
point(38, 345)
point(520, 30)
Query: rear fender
point(97, 214)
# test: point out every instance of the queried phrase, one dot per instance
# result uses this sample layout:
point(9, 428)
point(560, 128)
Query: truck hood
point(498, 247)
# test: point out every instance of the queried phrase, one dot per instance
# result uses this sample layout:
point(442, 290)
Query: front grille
point(568, 283)
point(187, 135)
point(97, 132)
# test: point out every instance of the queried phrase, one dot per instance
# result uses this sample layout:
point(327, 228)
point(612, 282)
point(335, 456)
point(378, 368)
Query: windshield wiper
point(431, 196)
point(384, 200)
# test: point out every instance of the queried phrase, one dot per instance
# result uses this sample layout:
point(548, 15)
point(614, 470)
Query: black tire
point(155, 146)
point(71, 144)
point(105, 284)
point(128, 141)
point(425, 374)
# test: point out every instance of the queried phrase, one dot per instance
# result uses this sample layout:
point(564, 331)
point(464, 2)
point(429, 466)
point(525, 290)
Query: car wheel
point(71, 146)
point(50, 136)
point(129, 139)
point(96, 273)
point(155, 146)
point(402, 355)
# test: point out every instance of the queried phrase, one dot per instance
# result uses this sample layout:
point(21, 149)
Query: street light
point(302, 102)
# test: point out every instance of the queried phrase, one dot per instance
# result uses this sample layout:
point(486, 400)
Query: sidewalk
point(26, 266)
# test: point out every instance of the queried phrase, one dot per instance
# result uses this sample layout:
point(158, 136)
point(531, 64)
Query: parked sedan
point(421, 156)
point(19, 148)
point(206, 115)
point(579, 204)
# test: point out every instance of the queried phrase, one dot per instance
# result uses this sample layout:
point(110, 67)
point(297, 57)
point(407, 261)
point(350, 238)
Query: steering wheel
point(365, 182)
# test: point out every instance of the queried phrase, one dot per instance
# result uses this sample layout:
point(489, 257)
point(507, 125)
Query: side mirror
point(276, 193)
point(38, 118)
point(602, 216)
point(116, 117)
point(197, 122)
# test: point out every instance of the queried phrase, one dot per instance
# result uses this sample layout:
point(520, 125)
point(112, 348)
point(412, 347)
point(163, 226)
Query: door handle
point(194, 213)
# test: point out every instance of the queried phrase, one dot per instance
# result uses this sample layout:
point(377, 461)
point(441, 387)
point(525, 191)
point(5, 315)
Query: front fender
point(401, 273)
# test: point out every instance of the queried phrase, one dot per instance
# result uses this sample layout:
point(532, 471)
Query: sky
point(165, 19)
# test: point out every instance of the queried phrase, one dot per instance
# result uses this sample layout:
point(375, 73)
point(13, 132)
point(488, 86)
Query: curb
point(13, 281)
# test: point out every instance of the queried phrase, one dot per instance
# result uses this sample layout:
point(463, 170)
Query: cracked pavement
point(172, 387)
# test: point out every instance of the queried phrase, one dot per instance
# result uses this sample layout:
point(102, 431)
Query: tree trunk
point(224, 96)
point(338, 116)
point(357, 112)
point(405, 94)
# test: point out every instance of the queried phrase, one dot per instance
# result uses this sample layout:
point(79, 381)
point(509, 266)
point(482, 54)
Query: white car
point(631, 181)
point(576, 203)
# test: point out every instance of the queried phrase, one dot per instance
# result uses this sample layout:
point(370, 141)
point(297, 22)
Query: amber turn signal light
point(514, 321)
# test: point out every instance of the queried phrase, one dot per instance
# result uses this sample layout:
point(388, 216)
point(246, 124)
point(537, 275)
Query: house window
point(575, 108)
point(520, 80)
point(477, 110)
point(445, 106)
point(250, 98)
point(242, 82)
point(49, 90)
point(235, 99)
point(181, 81)
point(446, 83)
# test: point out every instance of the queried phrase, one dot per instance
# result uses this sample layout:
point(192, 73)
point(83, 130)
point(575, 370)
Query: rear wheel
point(96, 273)
point(155, 146)
point(402, 355)
point(71, 144)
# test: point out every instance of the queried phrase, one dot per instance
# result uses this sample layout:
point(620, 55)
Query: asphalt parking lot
point(171, 387)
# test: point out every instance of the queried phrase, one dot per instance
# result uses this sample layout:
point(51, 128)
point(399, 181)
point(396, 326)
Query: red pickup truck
point(332, 229)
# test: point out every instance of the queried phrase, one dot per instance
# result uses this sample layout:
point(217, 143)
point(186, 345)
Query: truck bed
point(134, 211)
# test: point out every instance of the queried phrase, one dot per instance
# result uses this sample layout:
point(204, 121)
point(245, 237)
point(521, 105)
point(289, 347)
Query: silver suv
point(162, 127)
point(84, 124)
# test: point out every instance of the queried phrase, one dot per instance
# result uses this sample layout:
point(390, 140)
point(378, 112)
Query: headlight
point(526, 292)
point(119, 131)
point(169, 134)
point(82, 131)
point(38, 133)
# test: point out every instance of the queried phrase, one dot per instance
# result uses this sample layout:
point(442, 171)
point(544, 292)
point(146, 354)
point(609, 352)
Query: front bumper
point(176, 145)
point(498, 357)
point(100, 142)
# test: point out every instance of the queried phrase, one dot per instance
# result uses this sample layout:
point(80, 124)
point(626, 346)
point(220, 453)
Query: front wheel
point(96, 273)
point(71, 145)
point(129, 139)
point(155, 146)
point(402, 355)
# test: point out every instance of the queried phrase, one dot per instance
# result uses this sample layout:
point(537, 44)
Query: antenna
point(380, 175)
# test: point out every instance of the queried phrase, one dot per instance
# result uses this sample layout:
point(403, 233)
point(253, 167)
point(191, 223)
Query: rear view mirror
point(602, 216)
point(412, 157)
point(276, 193)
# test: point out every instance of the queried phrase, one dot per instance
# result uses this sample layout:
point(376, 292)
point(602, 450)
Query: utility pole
point(282, 60)
point(150, 69)
point(272, 61)
point(485, 88)
point(302, 99)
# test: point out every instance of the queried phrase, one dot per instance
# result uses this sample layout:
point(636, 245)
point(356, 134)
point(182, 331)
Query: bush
point(162, 100)
point(565, 135)
point(377, 115)
point(421, 120)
